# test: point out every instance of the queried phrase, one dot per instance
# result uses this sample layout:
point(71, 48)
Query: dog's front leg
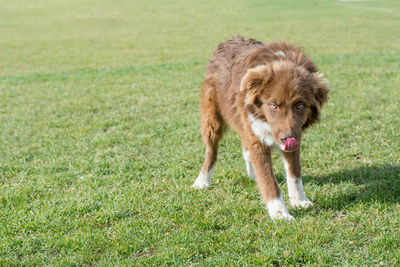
point(260, 156)
point(297, 197)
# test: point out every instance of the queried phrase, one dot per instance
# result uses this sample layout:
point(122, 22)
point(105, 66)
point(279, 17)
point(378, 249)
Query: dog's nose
point(284, 137)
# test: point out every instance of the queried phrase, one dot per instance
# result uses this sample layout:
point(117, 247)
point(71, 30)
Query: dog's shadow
point(349, 187)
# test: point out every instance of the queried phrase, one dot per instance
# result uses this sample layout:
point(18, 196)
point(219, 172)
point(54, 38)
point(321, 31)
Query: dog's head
point(286, 97)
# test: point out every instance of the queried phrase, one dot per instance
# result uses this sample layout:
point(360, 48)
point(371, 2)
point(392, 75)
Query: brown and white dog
point(268, 93)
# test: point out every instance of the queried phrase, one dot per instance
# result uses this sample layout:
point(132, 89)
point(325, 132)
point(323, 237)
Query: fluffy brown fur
point(267, 93)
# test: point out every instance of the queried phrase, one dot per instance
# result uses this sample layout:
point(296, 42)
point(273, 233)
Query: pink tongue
point(291, 144)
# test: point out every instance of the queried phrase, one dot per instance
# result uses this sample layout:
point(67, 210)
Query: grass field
point(100, 142)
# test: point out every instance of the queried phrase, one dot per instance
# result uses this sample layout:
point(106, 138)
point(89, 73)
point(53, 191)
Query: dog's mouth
point(290, 145)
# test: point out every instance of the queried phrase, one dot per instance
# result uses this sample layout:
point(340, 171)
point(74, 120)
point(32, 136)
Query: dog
point(269, 93)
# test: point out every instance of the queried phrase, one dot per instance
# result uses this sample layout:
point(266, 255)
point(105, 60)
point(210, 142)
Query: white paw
point(200, 184)
point(277, 210)
point(297, 203)
point(281, 215)
point(203, 180)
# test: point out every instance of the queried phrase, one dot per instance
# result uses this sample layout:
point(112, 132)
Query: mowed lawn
point(100, 141)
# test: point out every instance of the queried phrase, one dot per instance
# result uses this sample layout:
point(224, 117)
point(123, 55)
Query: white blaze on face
point(297, 196)
point(261, 129)
point(282, 54)
point(279, 53)
point(277, 209)
point(204, 179)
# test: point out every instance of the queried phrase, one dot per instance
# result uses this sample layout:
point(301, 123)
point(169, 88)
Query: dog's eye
point(273, 106)
point(299, 105)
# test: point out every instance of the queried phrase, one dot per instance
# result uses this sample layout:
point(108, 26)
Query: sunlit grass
point(100, 142)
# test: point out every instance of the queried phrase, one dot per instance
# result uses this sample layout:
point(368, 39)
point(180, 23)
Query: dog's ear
point(253, 82)
point(321, 89)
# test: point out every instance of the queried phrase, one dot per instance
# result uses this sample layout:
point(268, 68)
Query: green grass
point(100, 142)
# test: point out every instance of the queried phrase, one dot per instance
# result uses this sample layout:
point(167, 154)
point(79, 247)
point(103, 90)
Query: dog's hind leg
point(249, 166)
point(212, 130)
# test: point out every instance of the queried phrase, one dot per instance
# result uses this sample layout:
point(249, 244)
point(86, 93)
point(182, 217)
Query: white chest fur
point(261, 129)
